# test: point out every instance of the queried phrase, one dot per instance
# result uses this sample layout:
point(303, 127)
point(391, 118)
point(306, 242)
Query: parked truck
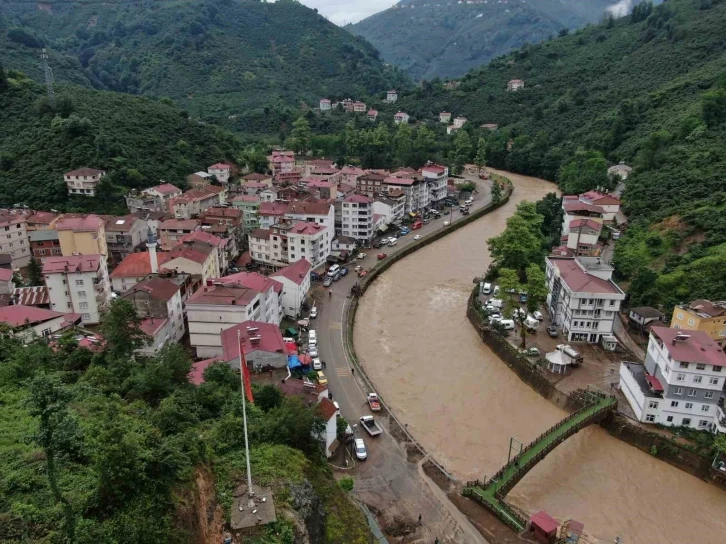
point(370, 425)
point(373, 402)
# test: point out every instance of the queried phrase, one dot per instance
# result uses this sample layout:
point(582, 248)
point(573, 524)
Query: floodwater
point(463, 404)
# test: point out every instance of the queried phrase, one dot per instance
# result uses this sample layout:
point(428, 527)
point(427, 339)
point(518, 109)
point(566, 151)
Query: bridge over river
point(596, 406)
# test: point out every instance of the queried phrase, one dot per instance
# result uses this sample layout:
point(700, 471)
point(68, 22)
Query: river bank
point(463, 405)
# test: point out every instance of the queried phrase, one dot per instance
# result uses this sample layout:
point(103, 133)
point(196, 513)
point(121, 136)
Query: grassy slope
point(611, 89)
point(124, 132)
point(446, 40)
point(215, 57)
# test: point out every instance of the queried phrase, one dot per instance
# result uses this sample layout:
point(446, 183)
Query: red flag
point(246, 376)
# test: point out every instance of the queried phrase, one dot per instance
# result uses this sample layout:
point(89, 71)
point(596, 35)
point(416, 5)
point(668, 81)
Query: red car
point(382, 256)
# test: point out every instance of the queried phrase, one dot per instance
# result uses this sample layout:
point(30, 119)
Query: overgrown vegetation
point(648, 89)
point(139, 142)
point(256, 61)
point(102, 447)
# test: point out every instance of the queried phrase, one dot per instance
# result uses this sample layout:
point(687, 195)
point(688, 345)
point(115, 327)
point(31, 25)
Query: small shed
point(557, 362)
point(544, 527)
point(609, 342)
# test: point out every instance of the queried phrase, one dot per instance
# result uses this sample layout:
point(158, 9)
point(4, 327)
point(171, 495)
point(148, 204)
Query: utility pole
point(48, 78)
point(250, 492)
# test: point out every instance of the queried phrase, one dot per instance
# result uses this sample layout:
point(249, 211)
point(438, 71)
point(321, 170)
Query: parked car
point(393, 242)
point(360, 449)
point(317, 364)
point(328, 281)
point(313, 350)
point(338, 275)
point(427, 221)
point(382, 256)
point(344, 271)
point(362, 255)
point(358, 268)
point(363, 273)
point(313, 312)
point(417, 237)
point(446, 223)
point(523, 298)
point(435, 213)
point(333, 270)
point(531, 352)
point(322, 380)
point(537, 315)
point(552, 331)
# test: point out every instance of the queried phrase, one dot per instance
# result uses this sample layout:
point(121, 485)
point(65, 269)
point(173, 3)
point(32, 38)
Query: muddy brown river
point(463, 404)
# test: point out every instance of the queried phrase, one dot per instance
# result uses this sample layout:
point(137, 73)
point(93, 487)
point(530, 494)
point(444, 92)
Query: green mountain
point(137, 140)
point(445, 39)
point(648, 89)
point(217, 58)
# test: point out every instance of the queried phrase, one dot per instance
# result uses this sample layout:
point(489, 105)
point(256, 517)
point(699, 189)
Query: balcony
point(720, 419)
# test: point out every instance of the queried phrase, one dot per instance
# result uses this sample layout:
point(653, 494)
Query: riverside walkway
point(491, 494)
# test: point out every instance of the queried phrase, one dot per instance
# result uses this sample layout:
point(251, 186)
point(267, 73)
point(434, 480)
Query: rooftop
point(588, 223)
point(201, 236)
point(120, 224)
point(273, 208)
point(165, 189)
point(254, 176)
point(152, 325)
point(646, 311)
point(254, 336)
point(31, 296)
point(690, 346)
point(706, 308)
point(320, 207)
point(18, 315)
point(223, 295)
point(156, 287)
point(220, 166)
point(77, 263)
point(88, 223)
point(44, 235)
point(194, 251)
point(251, 280)
point(303, 227)
point(579, 281)
point(179, 224)
point(327, 409)
point(359, 199)
point(580, 206)
point(196, 376)
point(597, 196)
point(137, 265)
point(85, 172)
point(295, 272)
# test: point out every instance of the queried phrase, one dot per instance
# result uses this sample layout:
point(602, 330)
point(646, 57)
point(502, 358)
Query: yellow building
point(702, 315)
point(85, 235)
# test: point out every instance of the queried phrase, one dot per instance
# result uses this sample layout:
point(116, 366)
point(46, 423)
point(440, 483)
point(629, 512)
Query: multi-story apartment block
point(285, 243)
point(390, 208)
point(391, 96)
point(583, 237)
point(124, 236)
point(436, 178)
point(295, 280)
point(220, 171)
point(82, 235)
point(370, 183)
point(83, 181)
point(583, 300)
point(78, 284)
point(270, 291)
point(195, 201)
point(171, 231)
point(357, 218)
point(195, 258)
point(324, 104)
point(281, 162)
point(702, 315)
point(414, 189)
point(681, 382)
point(14, 240)
point(153, 199)
point(220, 246)
point(44, 244)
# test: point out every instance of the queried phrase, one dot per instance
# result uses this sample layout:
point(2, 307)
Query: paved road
point(392, 486)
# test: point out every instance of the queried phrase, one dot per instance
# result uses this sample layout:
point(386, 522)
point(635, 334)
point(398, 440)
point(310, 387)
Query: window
point(79, 283)
point(650, 418)
point(692, 322)
point(81, 294)
point(612, 303)
point(680, 377)
point(717, 368)
point(689, 405)
point(683, 365)
point(674, 404)
point(703, 423)
point(713, 381)
point(691, 392)
point(45, 332)
point(722, 332)
point(705, 408)
point(697, 379)
point(669, 419)
point(679, 315)
point(652, 404)
point(83, 305)
point(686, 421)
point(700, 366)
point(708, 395)
point(86, 317)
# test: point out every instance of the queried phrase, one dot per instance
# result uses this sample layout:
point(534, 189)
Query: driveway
point(390, 481)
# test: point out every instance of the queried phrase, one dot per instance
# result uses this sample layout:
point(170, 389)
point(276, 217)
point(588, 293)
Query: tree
point(720, 443)
point(17, 279)
point(651, 154)
point(58, 434)
point(462, 150)
point(550, 208)
point(121, 328)
point(496, 192)
point(301, 135)
point(424, 144)
point(534, 285)
point(481, 155)
point(3, 78)
point(35, 273)
point(520, 244)
point(352, 139)
point(403, 145)
point(268, 397)
point(713, 106)
point(587, 170)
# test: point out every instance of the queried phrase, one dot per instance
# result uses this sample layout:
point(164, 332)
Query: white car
point(417, 237)
point(314, 312)
point(538, 315)
point(446, 223)
point(333, 270)
point(317, 365)
point(392, 242)
point(360, 449)
point(362, 255)
point(313, 350)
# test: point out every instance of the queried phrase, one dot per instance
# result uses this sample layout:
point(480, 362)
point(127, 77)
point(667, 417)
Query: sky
point(341, 12)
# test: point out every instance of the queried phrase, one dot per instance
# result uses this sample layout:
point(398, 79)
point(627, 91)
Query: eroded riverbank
point(463, 404)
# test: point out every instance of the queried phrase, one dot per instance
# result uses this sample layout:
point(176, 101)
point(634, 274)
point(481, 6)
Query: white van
point(333, 270)
point(531, 323)
point(486, 289)
point(507, 324)
point(312, 338)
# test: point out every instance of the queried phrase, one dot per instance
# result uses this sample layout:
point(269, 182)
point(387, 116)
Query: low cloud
point(621, 9)
point(342, 12)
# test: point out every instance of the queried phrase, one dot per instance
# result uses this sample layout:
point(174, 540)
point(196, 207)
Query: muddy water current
point(463, 404)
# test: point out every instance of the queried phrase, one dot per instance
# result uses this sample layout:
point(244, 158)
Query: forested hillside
point(429, 39)
point(137, 140)
point(648, 89)
point(100, 447)
point(215, 57)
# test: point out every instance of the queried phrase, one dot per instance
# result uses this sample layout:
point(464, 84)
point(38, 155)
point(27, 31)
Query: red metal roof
point(582, 207)
point(158, 288)
point(327, 409)
point(577, 223)
point(88, 223)
point(690, 346)
point(201, 236)
point(303, 227)
point(268, 334)
point(196, 376)
point(165, 189)
point(179, 224)
point(84, 172)
point(138, 265)
point(295, 272)
point(32, 296)
point(197, 252)
point(359, 199)
point(220, 166)
point(6, 274)
point(654, 383)
point(152, 325)
point(79, 263)
point(545, 522)
point(580, 281)
point(272, 208)
point(223, 295)
point(17, 315)
point(252, 280)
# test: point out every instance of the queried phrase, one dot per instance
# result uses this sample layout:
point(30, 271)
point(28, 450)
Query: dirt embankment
point(198, 512)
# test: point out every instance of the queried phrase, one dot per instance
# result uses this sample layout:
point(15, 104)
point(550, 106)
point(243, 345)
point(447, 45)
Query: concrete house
point(391, 96)
point(295, 280)
point(372, 115)
point(642, 316)
point(14, 241)
point(29, 323)
point(153, 199)
point(220, 171)
point(124, 236)
point(324, 104)
point(357, 218)
point(261, 345)
point(195, 258)
point(78, 284)
point(84, 235)
point(269, 289)
point(401, 117)
point(702, 315)
point(83, 181)
point(444, 117)
point(515, 85)
point(583, 237)
point(171, 231)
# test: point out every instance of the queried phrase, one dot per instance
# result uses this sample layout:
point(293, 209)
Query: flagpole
point(250, 492)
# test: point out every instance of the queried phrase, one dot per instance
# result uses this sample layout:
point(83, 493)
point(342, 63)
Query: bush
point(346, 484)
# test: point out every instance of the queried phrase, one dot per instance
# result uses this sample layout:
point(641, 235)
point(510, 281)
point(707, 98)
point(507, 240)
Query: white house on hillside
point(295, 280)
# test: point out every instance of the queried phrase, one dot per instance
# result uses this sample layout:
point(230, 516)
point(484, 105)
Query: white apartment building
point(324, 104)
point(401, 117)
point(414, 190)
point(220, 171)
point(583, 301)
point(270, 293)
point(14, 239)
point(320, 213)
point(357, 218)
point(83, 181)
point(78, 284)
point(215, 308)
point(295, 280)
point(391, 209)
point(285, 243)
point(436, 178)
point(681, 382)
point(459, 122)
point(391, 96)
point(583, 236)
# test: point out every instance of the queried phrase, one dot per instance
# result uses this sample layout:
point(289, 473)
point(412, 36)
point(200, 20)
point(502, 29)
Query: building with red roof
point(153, 199)
point(135, 268)
point(444, 117)
point(171, 231)
point(281, 162)
point(78, 284)
point(295, 279)
point(30, 322)
point(221, 171)
point(372, 115)
point(680, 383)
point(401, 118)
point(583, 300)
point(195, 201)
point(270, 213)
point(583, 237)
point(261, 344)
point(194, 257)
point(515, 85)
point(84, 181)
point(269, 288)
